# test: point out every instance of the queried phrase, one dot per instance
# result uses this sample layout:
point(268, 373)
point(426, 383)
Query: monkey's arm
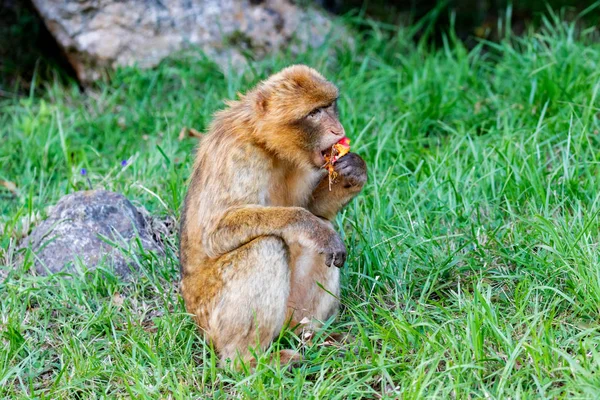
point(352, 175)
point(241, 225)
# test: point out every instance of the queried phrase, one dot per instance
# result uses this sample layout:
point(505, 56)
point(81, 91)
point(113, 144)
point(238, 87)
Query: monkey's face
point(322, 129)
point(297, 115)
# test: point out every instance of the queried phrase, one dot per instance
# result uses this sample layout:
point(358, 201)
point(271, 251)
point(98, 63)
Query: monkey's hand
point(352, 172)
point(325, 240)
point(351, 176)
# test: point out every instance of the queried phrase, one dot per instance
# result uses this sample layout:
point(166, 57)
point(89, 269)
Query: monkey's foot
point(334, 338)
point(286, 358)
point(290, 357)
point(330, 339)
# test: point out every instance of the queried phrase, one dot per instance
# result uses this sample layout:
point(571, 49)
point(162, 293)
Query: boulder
point(81, 225)
point(97, 35)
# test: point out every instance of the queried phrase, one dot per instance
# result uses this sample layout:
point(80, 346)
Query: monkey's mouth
point(330, 153)
point(321, 156)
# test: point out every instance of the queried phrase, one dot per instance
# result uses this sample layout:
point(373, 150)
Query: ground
point(473, 267)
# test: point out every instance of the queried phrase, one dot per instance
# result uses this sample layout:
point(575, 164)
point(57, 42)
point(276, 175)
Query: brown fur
point(255, 231)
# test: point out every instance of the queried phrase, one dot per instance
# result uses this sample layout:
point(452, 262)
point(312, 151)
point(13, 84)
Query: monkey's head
point(295, 114)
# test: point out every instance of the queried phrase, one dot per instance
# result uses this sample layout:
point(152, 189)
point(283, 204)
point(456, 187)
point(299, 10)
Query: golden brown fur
point(255, 233)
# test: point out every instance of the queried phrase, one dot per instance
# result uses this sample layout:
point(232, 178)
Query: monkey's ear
point(262, 102)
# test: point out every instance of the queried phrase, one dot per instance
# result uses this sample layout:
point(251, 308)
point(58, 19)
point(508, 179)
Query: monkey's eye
point(314, 113)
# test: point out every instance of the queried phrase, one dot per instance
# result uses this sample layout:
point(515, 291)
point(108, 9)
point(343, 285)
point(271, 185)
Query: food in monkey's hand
point(338, 150)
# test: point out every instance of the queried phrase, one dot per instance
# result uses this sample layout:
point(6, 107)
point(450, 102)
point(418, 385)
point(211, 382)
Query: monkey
point(256, 232)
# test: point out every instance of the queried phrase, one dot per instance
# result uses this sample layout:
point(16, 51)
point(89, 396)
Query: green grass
point(473, 270)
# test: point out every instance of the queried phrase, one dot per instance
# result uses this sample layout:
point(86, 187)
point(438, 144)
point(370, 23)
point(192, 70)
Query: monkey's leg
point(249, 309)
point(314, 290)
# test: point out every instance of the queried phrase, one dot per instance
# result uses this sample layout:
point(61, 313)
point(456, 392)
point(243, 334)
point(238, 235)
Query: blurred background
point(36, 38)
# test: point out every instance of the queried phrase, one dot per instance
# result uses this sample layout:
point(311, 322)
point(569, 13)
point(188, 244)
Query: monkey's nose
point(338, 131)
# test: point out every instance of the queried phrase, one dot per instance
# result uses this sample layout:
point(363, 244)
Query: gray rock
point(97, 35)
point(75, 228)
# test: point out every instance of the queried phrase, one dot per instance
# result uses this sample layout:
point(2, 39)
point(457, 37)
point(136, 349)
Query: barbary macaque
point(256, 237)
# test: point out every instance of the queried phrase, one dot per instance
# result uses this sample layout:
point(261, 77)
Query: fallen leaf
point(189, 132)
point(194, 133)
point(182, 133)
point(117, 299)
point(10, 186)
